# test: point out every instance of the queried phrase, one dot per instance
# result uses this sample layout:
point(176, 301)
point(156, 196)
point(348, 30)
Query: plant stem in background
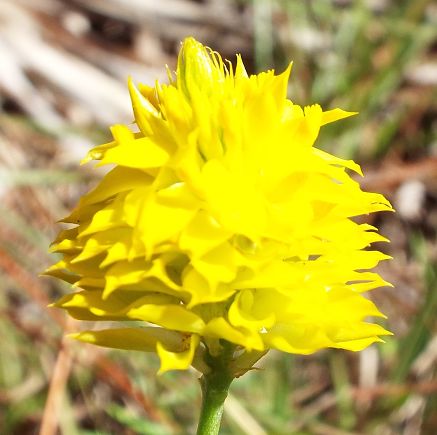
point(263, 29)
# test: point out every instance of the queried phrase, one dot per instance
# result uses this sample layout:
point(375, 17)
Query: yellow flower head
point(221, 221)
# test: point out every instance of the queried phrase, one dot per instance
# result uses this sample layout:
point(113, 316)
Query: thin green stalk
point(215, 387)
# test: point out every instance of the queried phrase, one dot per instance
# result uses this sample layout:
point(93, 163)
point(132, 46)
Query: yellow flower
point(221, 221)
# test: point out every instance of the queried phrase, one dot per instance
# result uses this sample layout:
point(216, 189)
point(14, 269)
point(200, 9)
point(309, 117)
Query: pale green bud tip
point(197, 67)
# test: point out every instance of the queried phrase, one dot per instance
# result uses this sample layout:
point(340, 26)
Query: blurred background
point(63, 70)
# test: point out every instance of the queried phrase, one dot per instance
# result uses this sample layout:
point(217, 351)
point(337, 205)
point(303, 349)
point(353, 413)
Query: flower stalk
point(215, 387)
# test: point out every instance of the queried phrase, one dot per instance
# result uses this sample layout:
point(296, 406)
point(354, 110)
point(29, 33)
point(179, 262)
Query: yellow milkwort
point(221, 221)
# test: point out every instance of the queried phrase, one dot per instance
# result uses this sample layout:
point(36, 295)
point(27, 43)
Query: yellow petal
point(135, 153)
point(143, 109)
point(335, 114)
point(171, 360)
point(220, 328)
point(142, 339)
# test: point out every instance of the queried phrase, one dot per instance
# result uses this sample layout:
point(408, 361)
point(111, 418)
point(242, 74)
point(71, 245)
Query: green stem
point(215, 387)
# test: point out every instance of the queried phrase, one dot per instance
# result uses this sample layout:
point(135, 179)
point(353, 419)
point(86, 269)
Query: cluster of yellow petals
point(220, 220)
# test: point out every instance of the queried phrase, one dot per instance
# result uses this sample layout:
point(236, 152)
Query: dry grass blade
point(242, 418)
point(58, 381)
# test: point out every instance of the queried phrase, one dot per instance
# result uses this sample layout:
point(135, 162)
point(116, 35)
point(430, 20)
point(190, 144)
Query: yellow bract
point(221, 220)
